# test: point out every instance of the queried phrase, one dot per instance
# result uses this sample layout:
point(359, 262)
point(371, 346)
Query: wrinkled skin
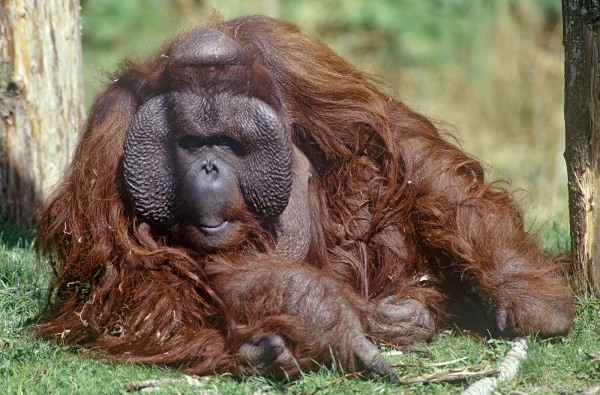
point(229, 151)
point(213, 177)
point(268, 209)
point(322, 305)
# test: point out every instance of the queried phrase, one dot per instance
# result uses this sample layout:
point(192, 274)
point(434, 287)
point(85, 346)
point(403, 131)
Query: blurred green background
point(489, 72)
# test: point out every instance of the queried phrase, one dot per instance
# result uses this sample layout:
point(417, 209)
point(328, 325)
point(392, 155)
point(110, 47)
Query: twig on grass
point(468, 372)
point(446, 362)
point(505, 372)
point(398, 350)
point(404, 365)
point(154, 385)
point(453, 375)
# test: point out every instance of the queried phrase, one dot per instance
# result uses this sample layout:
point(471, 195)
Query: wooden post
point(41, 99)
point(581, 28)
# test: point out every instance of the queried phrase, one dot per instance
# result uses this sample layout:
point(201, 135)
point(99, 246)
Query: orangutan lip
point(215, 230)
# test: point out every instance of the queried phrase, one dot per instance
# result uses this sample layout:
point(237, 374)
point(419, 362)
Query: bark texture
point(582, 117)
point(41, 99)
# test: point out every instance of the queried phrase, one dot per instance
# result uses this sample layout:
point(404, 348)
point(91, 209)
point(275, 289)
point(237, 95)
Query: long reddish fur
point(392, 201)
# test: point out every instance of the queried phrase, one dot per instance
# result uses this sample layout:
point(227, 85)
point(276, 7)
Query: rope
point(506, 371)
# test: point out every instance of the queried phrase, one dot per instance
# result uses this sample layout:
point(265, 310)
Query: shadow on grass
point(13, 235)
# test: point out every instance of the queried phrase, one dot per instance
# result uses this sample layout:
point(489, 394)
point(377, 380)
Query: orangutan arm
point(478, 230)
point(292, 315)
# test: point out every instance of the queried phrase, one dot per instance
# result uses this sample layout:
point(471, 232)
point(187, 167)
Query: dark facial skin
point(212, 138)
point(267, 206)
point(194, 164)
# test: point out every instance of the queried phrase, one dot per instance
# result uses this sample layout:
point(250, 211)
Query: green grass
point(29, 365)
point(492, 70)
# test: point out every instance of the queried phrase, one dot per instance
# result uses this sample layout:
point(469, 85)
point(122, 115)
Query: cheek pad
point(148, 162)
point(151, 177)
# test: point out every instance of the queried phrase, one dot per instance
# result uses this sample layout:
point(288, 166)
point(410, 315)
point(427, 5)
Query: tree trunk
point(581, 27)
point(41, 99)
